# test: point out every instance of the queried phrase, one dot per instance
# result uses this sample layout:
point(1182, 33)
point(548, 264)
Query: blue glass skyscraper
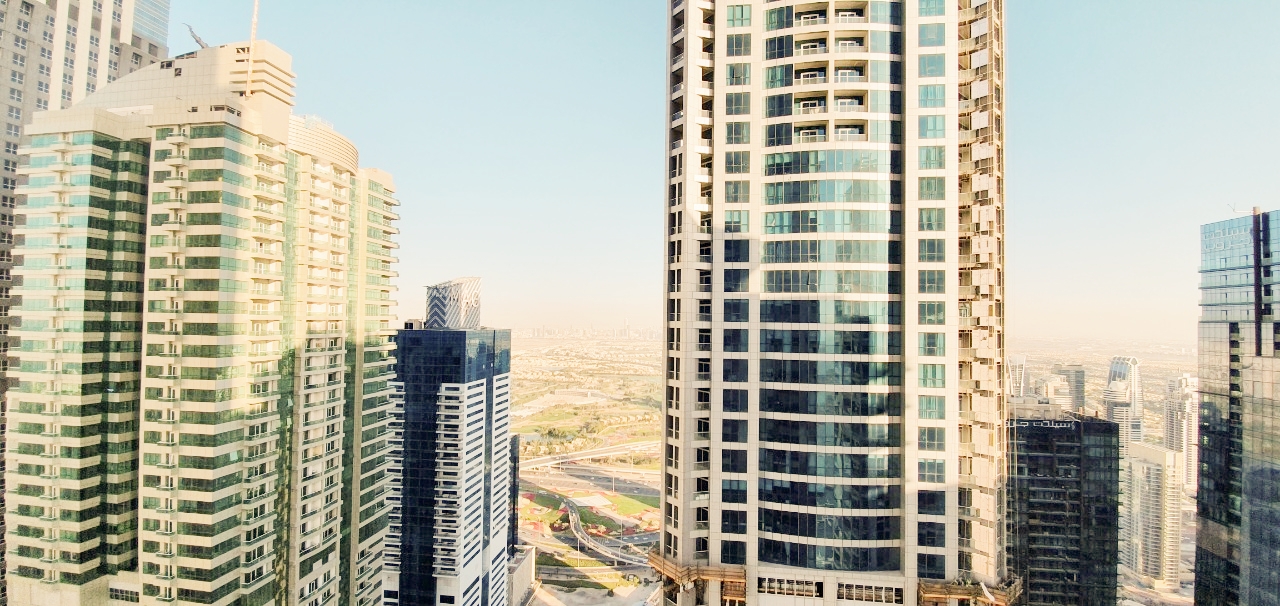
point(1238, 537)
point(457, 475)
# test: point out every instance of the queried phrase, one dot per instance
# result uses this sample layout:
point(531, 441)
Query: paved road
point(596, 453)
point(602, 546)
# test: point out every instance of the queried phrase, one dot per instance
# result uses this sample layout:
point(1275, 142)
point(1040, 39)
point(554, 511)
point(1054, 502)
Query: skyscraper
point(1152, 548)
point(1122, 399)
point(205, 345)
point(1074, 374)
point(1018, 382)
point(1182, 424)
point(454, 304)
point(457, 478)
point(834, 382)
point(1238, 523)
point(1056, 389)
point(1063, 506)
point(56, 54)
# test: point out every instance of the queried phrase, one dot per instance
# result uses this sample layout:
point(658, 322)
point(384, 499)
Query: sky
point(527, 146)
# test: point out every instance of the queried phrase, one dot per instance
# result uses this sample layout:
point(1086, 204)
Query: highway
point(608, 451)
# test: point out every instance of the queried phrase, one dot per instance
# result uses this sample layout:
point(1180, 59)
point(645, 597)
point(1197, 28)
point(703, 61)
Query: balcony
point(811, 137)
point(820, 49)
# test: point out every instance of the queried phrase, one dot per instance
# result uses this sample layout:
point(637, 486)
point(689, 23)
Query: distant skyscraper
point(834, 253)
point(1074, 374)
point(456, 486)
point(1018, 382)
point(1182, 424)
point(1056, 389)
point(454, 304)
point(1238, 531)
point(1152, 549)
point(1122, 399)
point(1063, 501)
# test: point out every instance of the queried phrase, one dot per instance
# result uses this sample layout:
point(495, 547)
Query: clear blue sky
point(526, 140)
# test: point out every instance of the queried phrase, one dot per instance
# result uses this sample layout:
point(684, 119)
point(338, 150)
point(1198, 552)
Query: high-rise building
point(457, 479)
point(1063, 506)
point(1152, 550)
point(1019, 385)
point(1238, 523)
point(206, 345)
point(1074, 375)
point(1055, 389)
point(454, 304)
point(1122, 399)
point(57, 53)
point(1182, 424)
point(834, 305)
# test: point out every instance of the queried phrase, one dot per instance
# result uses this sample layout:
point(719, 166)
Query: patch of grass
point(583, 584)
point(629, 505)
point(590, 517)
point(550, 559)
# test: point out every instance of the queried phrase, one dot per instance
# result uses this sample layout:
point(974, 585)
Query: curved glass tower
point(834, 305)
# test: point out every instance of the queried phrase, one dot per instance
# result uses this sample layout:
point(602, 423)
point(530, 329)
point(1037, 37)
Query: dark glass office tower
point(1064, 484)
point(1238, 537)
point(457, 473)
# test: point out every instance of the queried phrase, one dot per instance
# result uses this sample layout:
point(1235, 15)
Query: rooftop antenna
point(196, 36)
point(253, 37)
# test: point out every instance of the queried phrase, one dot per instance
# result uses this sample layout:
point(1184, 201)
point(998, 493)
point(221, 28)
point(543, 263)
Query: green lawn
point(632, 505)
point(590, 517)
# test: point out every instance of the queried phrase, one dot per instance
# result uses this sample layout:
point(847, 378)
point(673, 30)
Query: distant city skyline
point(599, 187)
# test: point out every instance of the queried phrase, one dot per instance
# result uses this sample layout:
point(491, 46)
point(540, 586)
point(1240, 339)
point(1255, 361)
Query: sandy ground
point(551, 595)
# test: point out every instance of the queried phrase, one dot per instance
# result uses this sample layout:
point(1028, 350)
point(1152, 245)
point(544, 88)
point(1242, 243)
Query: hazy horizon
point(544, 175)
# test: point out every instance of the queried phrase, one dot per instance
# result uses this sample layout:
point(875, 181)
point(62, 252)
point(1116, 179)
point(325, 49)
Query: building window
point(737, 251)
point(933, 127)
point(933, 438)
point(933, 8)
point(737, 133)
point(933, 219)
point(737, 104)
point(733, 521)
point(735, 340)
point(933, 313)
point(778, 105)
point(932, 502)
point(933, 34)
point(933, 157)
point(735, 371)
point(733, 461)
point(736, 221)
point(734, 400)
point(740, 15)
point(739, 74)
point(737, 162)
point(778, 134)
point(933, 95)
point(737, 191)
point(733, 552)
point(737, 310)
point(933, 251)
point(931, 534)
point(933, 471)
point(933, 282)
point(733, 491)
point(779, 76)
point(738, 45)
point(932, 407)
point(933, 66)
point(933, 344)
point(933, 375)
point(931, 566)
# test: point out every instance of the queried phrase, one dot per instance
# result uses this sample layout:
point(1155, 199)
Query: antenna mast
point(253, 37)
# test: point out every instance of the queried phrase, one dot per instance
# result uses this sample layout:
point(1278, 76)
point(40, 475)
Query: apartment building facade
point(201, 405)
point(56, 54)
point(833, 302)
